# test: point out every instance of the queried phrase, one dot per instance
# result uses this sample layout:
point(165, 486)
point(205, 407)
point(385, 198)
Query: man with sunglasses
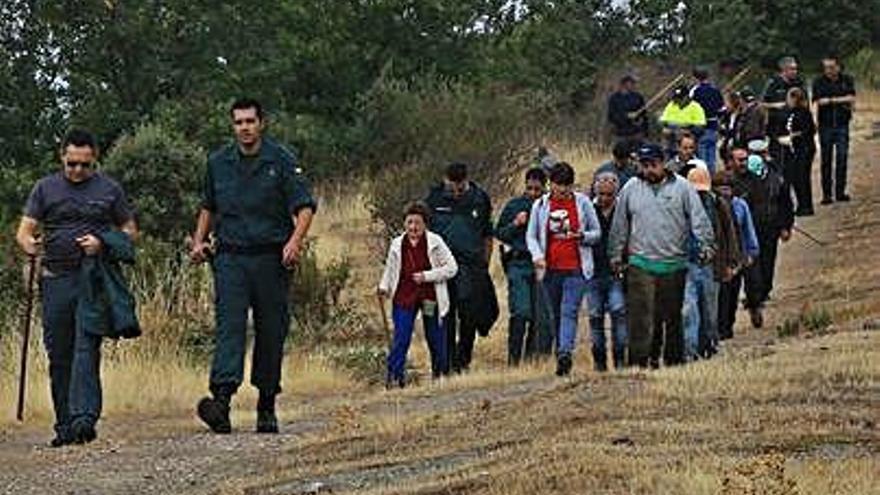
point(74, 209)
point(260, 209)
point(461, 213)
point(529, 334)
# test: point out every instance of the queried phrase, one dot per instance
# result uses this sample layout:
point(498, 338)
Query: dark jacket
point(768, 199)
point(834, 115)
point(107, 306)
point(464, 223)
point(775, 92)
point(750, 124)
point(800, 123)
point(513, 237)
point(619, 105)
point(709, 97)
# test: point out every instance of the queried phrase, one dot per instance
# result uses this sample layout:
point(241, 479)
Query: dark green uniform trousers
point(530, 329)
point(259, 283)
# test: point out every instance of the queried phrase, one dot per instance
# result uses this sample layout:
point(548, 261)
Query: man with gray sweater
point(656, 213)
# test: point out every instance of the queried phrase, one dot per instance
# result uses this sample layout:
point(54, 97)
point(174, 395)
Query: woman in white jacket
point(418, 265)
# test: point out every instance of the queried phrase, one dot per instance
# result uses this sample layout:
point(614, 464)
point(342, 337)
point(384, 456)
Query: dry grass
point(159, 383)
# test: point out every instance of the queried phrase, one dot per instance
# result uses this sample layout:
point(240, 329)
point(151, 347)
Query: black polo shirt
point(834, 114)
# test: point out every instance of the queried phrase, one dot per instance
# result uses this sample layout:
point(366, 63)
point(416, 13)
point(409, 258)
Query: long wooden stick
point(731, 85)
point(660, 94)
point(26, 336)
point(385, 325)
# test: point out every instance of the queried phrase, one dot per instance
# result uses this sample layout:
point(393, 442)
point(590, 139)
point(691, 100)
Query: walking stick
point(808, 236)
point(385, 325)
point(26, 334)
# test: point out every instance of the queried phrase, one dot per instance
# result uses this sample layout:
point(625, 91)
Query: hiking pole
point(26, 334)
point(385, 325)
point(808, 236)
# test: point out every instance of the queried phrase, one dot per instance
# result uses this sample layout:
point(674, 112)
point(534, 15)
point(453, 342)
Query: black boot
point(563, 365)
point(214, 411)
point(83, 431)
point(267, 422)
point(600, 360)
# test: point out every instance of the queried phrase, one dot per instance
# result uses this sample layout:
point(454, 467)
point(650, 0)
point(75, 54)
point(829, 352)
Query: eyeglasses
point(78, 164)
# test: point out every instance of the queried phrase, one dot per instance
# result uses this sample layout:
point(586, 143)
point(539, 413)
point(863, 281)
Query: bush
point(412, 130)
point(810, 321)
point(162, 175)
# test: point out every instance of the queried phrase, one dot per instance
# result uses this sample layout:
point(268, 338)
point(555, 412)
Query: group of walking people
point(661, 242)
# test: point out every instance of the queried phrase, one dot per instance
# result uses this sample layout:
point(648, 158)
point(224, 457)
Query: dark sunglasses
point(79, 164)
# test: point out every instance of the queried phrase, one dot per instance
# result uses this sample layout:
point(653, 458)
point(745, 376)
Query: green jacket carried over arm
point(107, 306)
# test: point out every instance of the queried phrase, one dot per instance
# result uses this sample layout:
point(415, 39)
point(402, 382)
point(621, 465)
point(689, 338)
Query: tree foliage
point(112, 66)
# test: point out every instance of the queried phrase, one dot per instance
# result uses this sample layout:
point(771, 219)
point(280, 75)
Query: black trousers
point(759, 277)
point(460, 334)
point(834, 142)
point(728, 300)
point(798, 174)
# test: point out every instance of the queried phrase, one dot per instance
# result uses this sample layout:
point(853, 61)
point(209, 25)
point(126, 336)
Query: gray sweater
point(654, 221)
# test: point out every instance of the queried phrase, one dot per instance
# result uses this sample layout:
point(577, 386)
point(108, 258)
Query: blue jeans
point(404, 320)
point(74, 356)
point(834, 143)
point(700, 311)
point(707, 148)
point(565, 290)
point(605, 295)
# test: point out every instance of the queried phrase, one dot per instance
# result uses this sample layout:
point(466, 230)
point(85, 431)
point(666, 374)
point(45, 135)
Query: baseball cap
point(650, 152)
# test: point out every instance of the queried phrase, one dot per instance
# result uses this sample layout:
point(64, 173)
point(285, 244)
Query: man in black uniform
point(834, 93)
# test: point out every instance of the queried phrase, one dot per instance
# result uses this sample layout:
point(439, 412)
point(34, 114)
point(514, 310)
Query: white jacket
point(443, 268)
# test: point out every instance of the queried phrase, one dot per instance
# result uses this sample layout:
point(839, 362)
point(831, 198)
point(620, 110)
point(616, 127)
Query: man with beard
point(655, 216)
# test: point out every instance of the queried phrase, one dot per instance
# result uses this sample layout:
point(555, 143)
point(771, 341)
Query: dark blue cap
point(650, 151)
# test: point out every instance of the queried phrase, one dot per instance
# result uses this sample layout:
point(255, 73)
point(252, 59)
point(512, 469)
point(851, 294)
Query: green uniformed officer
point(260, 209)
point(461, 214)
point(528, 332)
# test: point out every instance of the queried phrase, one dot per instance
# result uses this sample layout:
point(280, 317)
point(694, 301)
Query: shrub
point(411, 130)
point(812, 321)
point(162, 175)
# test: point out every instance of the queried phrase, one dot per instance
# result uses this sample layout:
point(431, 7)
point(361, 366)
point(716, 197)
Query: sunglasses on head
point(79, 164)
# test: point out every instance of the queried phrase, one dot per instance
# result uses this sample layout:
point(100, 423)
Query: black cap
point(650, 152)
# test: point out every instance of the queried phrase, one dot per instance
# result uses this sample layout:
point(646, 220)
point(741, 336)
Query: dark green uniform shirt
point(464, 223)
point(253, 199)
point(514, 237)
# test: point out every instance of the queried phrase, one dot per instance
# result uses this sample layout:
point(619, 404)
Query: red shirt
point(414, 259)
point(562, 253)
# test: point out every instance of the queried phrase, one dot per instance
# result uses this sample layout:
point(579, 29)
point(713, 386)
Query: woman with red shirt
point(418, 265)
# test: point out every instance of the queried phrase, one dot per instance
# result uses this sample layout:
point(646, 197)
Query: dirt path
point(458, 437)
